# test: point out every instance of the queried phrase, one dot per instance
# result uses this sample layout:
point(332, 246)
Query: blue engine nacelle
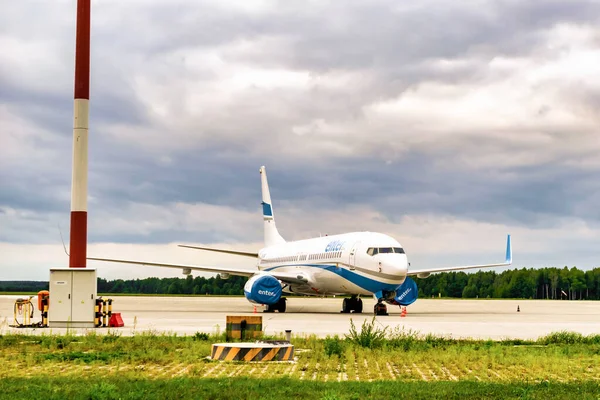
point(406, 294)
point(262, 289)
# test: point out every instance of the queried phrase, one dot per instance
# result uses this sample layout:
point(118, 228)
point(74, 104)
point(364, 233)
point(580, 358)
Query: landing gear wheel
point(281, 305)
point(345, 306)
point(353, 304)
point(270, 308)
point(380, 309)
point(358, 306)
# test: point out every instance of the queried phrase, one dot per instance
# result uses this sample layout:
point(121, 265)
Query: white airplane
point(350, 264)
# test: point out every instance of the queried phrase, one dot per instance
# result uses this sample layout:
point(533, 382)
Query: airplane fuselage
point(358, 263)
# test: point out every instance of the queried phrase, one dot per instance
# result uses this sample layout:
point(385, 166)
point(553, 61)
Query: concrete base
point(258, 351)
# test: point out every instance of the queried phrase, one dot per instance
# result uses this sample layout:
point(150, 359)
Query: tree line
point(533, 283)
point(188, 285)
point(543, 283)
point(234, 285)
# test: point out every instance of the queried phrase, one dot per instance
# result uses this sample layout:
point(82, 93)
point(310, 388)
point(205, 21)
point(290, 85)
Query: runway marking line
point(314, 375)
point(449, 374)
point(420, 372)
point(389, 368)
point(367, 370)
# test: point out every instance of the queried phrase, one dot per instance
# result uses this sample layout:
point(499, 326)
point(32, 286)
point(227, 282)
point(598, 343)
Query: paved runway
point(495, 319)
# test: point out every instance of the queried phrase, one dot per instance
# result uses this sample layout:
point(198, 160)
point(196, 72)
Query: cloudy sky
point(444, 125)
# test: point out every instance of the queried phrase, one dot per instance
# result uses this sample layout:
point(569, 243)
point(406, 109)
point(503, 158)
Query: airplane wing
point(282, 276)
point(237, 253)
point(204, 268)
point(424, 273)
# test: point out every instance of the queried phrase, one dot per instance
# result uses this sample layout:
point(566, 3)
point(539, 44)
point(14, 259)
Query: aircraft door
point(352, 258)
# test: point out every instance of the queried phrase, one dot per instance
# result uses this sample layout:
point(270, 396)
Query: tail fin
point(272, 236)
point(508, 251)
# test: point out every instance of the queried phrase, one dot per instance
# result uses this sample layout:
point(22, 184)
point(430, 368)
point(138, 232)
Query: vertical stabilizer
point(272, 236)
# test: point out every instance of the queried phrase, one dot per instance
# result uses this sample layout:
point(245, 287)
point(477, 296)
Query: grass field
point(282, 388)
point(369, 363)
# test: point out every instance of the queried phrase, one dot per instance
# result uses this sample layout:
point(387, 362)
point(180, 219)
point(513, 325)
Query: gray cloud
point(170, 124)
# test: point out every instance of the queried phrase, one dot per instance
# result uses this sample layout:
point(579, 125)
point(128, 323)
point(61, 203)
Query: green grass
point(401, 355)
point(368, 363)
point(283, 388)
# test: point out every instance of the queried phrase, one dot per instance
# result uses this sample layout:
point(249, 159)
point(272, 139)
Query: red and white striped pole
point(78, 236)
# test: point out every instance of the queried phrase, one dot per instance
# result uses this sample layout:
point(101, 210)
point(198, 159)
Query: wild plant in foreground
point(370, 336)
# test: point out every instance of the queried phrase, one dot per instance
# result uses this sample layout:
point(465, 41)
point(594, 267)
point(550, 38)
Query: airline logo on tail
point(267, 211)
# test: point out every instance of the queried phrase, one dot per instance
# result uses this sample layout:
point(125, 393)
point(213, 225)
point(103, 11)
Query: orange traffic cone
point(254, 309)
point(403, 312)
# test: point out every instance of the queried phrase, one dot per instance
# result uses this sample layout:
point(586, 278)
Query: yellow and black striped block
point(243, 327)
point(252, 352)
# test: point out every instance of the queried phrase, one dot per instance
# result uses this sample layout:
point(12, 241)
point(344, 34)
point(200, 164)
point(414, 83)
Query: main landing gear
point(380, 308)
point(353, 304)
point(279, 306)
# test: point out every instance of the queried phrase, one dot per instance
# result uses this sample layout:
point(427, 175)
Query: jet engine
point(262, 289)
point(406, 293)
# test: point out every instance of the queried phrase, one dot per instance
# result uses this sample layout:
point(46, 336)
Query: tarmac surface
point(482, 319)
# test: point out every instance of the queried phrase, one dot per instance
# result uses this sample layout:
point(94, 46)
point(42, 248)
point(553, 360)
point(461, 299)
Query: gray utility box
point(72, 298)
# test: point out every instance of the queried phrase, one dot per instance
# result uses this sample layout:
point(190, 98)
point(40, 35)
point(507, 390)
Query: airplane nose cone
point(394, 264)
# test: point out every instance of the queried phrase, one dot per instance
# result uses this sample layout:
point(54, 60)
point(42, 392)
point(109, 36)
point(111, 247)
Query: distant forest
point(544, 283)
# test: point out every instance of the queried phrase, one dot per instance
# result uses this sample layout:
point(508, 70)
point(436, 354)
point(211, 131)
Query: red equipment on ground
point(116, 320)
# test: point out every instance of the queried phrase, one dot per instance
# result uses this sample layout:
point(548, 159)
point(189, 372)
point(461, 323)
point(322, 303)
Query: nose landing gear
point(380, 308)
point(353, 304)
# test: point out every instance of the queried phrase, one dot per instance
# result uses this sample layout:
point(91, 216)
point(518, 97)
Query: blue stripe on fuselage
point(361, 281)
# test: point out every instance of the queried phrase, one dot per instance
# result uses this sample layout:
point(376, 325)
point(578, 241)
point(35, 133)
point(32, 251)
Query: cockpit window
point(372, 251)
